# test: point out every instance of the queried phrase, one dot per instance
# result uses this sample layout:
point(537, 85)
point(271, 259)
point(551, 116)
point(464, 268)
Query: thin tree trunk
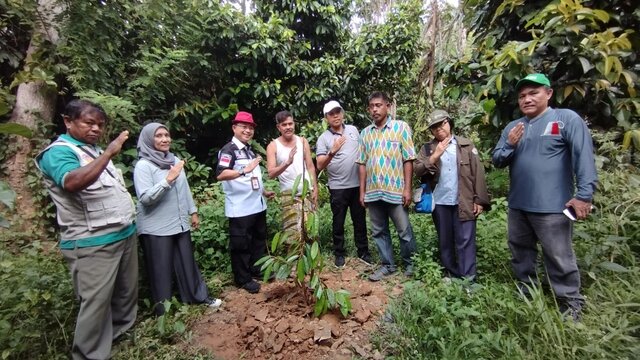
point(434, 40)
point(35, 104)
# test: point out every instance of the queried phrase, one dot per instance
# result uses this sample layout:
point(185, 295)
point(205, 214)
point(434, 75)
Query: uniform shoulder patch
point(225, 160)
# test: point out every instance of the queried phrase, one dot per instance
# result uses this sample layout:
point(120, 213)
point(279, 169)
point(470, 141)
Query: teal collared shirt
point(98, 240)
point(58, 161)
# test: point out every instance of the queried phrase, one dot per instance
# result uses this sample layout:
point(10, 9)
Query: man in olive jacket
point(451, 166)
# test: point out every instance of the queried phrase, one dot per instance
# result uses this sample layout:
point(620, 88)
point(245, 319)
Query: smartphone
point(570, 213)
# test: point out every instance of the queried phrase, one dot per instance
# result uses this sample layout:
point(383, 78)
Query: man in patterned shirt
point(386, 167)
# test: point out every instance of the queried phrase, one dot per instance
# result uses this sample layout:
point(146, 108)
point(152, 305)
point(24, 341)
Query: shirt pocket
point(104, 181)
point(464, 164)
point(551, 145)
point(241, 164)
point(464, 169)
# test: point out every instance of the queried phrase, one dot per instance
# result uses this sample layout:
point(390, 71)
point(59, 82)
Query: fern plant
point(296, 250)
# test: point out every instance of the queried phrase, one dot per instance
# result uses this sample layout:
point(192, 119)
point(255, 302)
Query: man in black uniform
point(245, 204)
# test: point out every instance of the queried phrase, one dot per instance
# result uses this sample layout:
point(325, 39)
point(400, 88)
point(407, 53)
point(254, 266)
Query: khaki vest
point(102, 208)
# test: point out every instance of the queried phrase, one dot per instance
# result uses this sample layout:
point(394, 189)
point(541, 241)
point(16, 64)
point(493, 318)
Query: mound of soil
point(277, 323)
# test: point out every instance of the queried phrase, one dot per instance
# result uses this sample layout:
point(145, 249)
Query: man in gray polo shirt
point(337, 151)
point(549, 153)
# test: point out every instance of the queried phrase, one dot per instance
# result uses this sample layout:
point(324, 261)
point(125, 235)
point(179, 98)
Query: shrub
point(490, 320)
point(211, 239)
point(38, 310)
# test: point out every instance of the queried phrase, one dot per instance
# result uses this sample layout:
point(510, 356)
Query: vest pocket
point(100, 214)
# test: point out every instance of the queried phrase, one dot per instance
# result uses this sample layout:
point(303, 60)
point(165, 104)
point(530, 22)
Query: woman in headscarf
point(166, 213)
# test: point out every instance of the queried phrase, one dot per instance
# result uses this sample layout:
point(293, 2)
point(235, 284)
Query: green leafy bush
point(211, 239)
point(38, 309)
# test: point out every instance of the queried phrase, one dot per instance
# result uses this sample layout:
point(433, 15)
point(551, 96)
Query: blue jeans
point(554, 232)
point(379, 213)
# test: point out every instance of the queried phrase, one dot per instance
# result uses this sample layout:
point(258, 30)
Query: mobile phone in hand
point(570, 213)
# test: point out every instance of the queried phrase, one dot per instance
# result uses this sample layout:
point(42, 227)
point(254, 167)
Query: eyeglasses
point(245, 127)
point(438, 126)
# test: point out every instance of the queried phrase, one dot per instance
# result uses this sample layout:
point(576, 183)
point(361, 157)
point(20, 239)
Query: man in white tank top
point(289, 156)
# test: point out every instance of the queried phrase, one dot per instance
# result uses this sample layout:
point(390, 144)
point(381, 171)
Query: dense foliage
point(589, 50)
point(208, 60)
point(193, 63)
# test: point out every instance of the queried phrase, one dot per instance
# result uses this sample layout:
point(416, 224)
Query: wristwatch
point(241, 172)
point(331, 153)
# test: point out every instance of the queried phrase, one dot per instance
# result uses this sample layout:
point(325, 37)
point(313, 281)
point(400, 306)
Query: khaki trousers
point(105, 280)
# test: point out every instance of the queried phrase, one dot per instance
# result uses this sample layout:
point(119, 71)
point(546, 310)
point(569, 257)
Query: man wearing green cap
point(545, 151)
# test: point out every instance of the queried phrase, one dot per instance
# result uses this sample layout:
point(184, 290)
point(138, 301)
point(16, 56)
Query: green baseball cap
point(537, 79)
point(437, 116)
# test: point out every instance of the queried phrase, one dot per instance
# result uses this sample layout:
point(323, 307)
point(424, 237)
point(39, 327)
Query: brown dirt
point(277, 324)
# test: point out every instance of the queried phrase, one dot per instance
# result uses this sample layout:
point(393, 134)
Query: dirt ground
point(277, 324)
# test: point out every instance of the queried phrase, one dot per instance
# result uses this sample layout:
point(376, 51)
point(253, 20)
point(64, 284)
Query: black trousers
point(341, 200)
point(457, 241)
point(169, 256)
point(247, 244)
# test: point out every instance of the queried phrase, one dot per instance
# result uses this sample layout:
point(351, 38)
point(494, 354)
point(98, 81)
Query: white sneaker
point(213, 303)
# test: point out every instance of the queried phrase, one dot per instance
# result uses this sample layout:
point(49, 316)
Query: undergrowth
point(434, 319)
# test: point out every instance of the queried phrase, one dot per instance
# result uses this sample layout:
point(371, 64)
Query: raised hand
point(292, 154)
point(116, 145)
point(440, 149)
point(337, 145)
point(252, 164)
point(174, 172)
point(515, 134)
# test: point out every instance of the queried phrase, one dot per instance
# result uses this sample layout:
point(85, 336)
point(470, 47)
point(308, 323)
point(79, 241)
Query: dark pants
point(341, 200)
point(457, 241)
point(554, 232)
point(169, 256)
point(247, 244)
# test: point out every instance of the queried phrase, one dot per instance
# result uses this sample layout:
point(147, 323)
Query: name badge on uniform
point(255, 184)
point(240, 154)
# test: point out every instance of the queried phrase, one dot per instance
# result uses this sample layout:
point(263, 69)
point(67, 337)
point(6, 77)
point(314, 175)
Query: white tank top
point(288, 176)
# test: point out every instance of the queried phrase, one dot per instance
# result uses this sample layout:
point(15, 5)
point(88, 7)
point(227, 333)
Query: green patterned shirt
point(383, 151)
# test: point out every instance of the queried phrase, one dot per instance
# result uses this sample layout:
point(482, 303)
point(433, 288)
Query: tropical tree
point(588, 49)
point(193, 64)
point(32, 72)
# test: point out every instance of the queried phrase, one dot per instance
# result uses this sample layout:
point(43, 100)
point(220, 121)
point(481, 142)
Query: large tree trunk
point(35, 103)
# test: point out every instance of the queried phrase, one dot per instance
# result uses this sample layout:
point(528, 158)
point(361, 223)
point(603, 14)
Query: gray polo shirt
point(342, 169)
point(554, 153)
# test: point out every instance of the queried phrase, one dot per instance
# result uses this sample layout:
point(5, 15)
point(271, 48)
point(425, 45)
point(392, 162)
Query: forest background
point(193, 64)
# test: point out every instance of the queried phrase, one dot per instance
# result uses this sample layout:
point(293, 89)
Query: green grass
point(434, 320)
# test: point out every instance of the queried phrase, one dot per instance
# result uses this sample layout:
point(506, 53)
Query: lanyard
point(94, 157)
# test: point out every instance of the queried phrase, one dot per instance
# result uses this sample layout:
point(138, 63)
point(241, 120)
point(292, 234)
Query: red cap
point(244, 117)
